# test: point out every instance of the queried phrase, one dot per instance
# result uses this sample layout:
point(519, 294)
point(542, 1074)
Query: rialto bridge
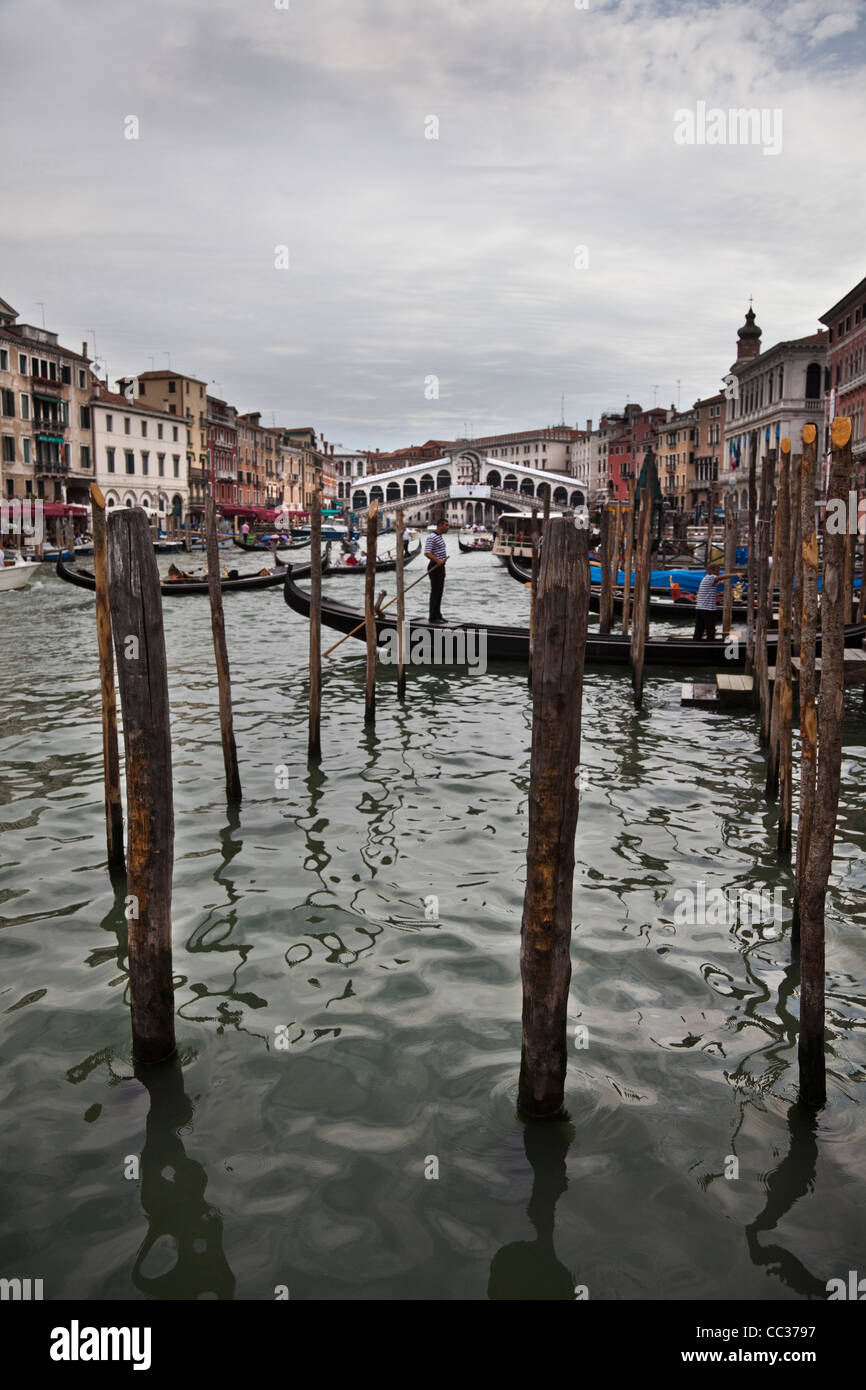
point(468, 485)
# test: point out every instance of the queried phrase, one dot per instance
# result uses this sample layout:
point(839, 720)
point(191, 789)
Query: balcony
point(52, 428)
point(50, 383)
point(45, 468)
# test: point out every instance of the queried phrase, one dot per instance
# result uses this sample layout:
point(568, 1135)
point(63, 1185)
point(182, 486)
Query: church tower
point(748, 337)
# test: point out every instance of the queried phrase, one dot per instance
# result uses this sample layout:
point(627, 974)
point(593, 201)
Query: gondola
point(483, 549)
point(511, 644)
point(268, 547)
point(658, 607)
point(244, 582)
point(382, 566)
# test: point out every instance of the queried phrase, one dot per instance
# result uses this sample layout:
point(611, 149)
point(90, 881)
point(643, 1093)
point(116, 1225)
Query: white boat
point(17, 574)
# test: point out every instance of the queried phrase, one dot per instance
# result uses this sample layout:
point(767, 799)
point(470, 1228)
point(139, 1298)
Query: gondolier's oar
point(378, 610)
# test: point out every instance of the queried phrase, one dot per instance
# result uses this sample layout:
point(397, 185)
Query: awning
point(51, 438)
point(53, 509)
point(257, 513)
point(46, 396)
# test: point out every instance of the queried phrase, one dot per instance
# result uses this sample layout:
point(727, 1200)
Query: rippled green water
point(305, 912)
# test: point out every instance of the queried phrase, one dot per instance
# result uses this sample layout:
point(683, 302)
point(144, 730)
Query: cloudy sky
point(409, 257)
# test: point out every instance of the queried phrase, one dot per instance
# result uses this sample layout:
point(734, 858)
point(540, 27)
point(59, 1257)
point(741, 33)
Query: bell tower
point(748, 337)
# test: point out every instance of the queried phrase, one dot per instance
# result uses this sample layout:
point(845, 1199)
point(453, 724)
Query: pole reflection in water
point(529, 1269)
point(181, 1257)
point(794, 1177)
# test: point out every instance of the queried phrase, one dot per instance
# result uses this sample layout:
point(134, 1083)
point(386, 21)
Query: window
point(144, 429)
point(174, 434)
point(66, 373)
point(130, 461)
point(175, 458)
point(200, 392)
point(172, 388)
point(109, 455)
point(109, 424)
point(145, 461)
point(52, 371)
point(22, 364)
point(127, 427)
point(25, 450)
point(84, 414)
point(82, 379)
point(8, 403)
point(187, 387)
point(159, 431)
point(8, 448)
point(85, 456)
point(160, 463)
point(4, 359)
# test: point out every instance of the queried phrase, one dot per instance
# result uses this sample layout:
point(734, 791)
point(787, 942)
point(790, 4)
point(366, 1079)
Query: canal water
point(341, 1120)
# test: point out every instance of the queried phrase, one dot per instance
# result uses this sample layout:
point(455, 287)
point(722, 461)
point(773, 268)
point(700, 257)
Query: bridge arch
point(410, 487)
point(359, 501)
point(426, 483)
point(443, 478)
point(494, 477)
point(509, 483)
point(376, 494)
point(393, 493)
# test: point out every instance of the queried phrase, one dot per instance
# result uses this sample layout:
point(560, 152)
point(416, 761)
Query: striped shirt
point(435, 547)
point(707, 594)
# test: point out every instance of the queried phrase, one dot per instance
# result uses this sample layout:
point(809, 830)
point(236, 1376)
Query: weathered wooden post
point(836, 605)
point(314, 737)
point(369, 612)
point(642, 581)
point(796, 549)
point(139, 648)
point(730, 561)
point(218, 628)
point(617, 557)
point(629, 554)
point(779, 771)
point(752, 572)
point(110, 753)
point(605, 611)
point(808, 633)
point(401, 611)
point(762, 679)
point(533, 586)
point(711, 521)
point(545, 935)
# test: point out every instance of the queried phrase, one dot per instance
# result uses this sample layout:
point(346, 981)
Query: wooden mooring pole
point(369, 612)
point(836, 607)
point(401, 611)
point(765, 512)
point(629, 555)
point(533, 586)
point(218, 628)
point(545, 934)
point(139, 648)
point(605, 612)
point(730, 562)
point(808, 633)
point(752, 559)
point(642, 581)
point(779, 770)
point(110, 751)
point(314, 736)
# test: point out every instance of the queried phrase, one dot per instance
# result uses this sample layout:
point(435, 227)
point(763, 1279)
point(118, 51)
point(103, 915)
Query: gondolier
point(437, 555)
point(706, 605)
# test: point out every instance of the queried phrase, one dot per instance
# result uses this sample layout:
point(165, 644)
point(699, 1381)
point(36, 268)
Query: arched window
point(410, 488)
point(509, 483)
point(560, 496)
point(494, 478)
point(443, 479)
point(527, 487)
point(577, 499)
point(392, 493)
point(376, 494)
point(359, 501)
point(427, 483)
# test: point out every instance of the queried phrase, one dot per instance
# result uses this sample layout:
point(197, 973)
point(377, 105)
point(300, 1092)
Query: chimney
point(83, 349)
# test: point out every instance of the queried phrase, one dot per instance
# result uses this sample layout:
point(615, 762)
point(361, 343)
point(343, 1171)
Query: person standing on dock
point(437, 555)
point(706, 606)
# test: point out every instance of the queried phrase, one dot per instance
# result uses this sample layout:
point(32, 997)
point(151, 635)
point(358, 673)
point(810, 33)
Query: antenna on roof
point(562, 409)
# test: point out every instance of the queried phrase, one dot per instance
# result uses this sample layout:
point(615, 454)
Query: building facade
point(186, 397)
point(709, 416)
point(846, 364)
point(776, 393)
point(222, 446)
point(139, 454)
point(45, 431)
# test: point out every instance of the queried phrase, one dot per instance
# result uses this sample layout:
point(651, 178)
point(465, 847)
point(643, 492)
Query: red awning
point(258, 513)
point(53, 509)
